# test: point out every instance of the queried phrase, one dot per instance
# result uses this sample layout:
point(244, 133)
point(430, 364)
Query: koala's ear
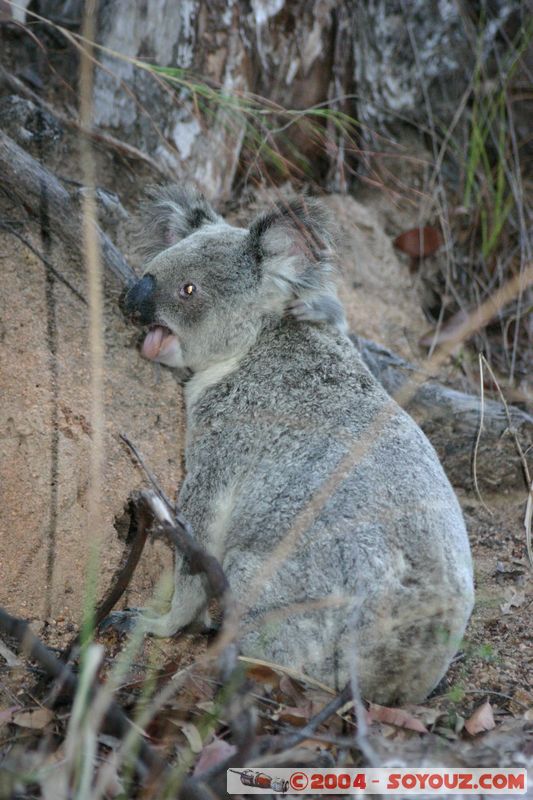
point(292, 245)
point(169, 214)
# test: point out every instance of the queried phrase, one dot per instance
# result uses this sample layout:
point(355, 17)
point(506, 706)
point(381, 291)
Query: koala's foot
point(142, 619)
point(188, 605)
point(206, 625)
point(122, 621)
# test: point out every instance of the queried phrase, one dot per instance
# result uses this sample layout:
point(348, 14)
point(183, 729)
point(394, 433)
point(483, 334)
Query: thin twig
point(511, 427)
point(523, 460)
point(148, 472)
point(179, 533)
point(127, 150)
point(50, 267)
point(172, 524)
point(478, 435)
point(116, 723)
point(527, 523)
point(288, 740)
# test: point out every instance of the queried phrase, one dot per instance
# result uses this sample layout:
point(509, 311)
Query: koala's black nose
point(139, 301)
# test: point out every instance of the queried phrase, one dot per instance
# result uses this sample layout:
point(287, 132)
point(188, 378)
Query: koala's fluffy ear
point(169, 214)
point(292, 245)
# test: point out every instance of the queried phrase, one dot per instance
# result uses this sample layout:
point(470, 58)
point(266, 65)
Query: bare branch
point(4, 226)
point(179, 533)
point(451, 419)
point(147, 471)
point(289, 740)
point(139, 527)
point(33, 185)
point(125, 149)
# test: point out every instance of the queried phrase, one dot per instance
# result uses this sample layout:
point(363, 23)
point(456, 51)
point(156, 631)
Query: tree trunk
point(392, 62)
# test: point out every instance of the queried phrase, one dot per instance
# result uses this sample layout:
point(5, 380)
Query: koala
point(340, 535)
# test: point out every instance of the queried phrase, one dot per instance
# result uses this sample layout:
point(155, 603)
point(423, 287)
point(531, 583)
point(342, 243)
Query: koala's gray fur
point(292, 444)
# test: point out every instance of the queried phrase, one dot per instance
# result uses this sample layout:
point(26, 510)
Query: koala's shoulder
point(307, 361)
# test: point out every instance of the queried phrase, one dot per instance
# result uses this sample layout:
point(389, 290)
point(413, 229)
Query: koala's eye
point(187, 290)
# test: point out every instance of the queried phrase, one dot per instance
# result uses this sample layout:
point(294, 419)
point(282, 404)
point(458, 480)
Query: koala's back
point(332, 516)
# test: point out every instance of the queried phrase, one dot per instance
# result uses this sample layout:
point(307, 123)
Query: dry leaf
point(6, 11)
point(261, 673)
point(289, 689)
point(214, 753)
point(266, 666)
point(514, 600)
point(35, 719)
point(191, 733)
point(481, 720)
point(426, 714)
point(6, 715)
point(207, 705)
point(459, 723)
point(419, 242)
point(398, 717)
point(295, 715)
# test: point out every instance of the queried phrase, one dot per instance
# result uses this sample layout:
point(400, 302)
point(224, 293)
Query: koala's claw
point(121, 621)
point(302, 311)
point(322, 308)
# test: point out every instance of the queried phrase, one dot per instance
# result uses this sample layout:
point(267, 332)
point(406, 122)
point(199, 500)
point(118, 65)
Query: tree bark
point(393, 62)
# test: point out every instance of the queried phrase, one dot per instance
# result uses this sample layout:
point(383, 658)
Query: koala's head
point(209, 287)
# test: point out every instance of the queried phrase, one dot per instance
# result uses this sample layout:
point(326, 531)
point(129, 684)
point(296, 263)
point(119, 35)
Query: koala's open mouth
point(160, 344)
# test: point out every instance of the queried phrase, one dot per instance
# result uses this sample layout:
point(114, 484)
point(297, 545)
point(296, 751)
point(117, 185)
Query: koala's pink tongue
point(153, 341)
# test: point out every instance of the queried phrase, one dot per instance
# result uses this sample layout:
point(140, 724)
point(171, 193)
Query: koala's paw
point(304, 311)
point(122, 621)
point(323, 308)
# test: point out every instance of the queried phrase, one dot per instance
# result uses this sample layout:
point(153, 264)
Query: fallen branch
point(116, 723)
point(214, 778)
point(43, 195)
point(168, 522)
point(451, 419)
point(155, 507)
point(147, 471)
point(172, 525)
